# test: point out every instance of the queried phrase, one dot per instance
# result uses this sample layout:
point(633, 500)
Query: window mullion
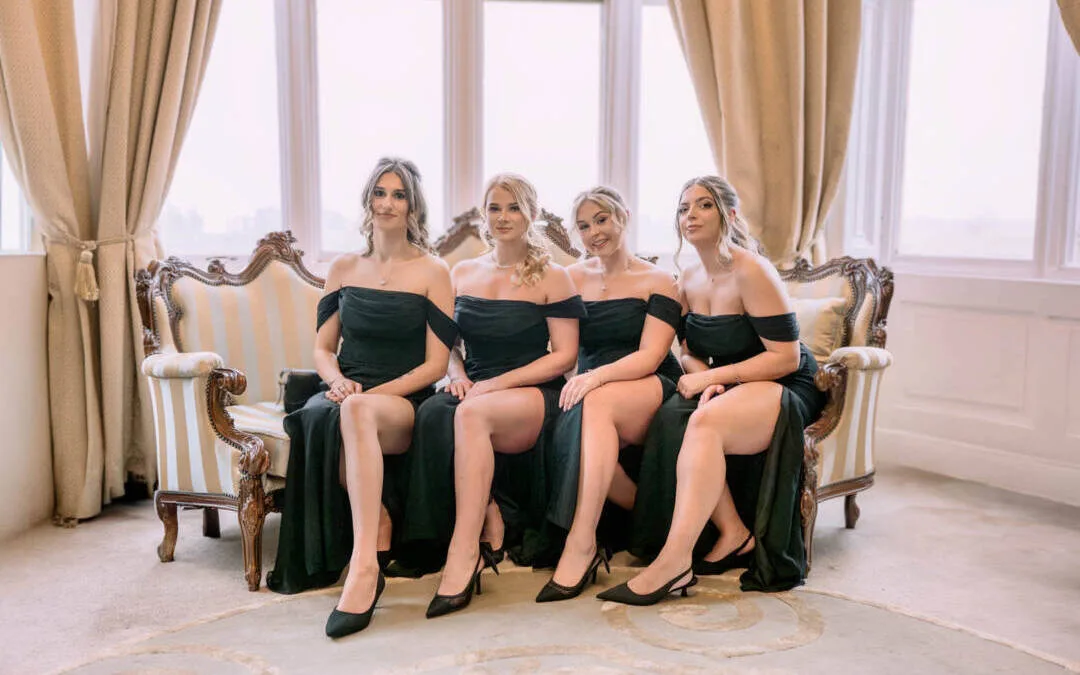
point(619, 103)
point(463, 93)
point(299, 129)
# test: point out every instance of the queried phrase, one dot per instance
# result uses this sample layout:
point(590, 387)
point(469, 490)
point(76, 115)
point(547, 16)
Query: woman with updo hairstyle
point(383, 339)
point(625, 371)
point(477, 471)
point(748, 391)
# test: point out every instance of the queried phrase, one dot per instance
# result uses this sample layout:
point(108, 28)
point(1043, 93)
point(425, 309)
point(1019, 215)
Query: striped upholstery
point(258, 329)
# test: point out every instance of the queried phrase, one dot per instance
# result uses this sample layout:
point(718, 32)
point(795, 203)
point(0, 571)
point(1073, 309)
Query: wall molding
point(1025, 474)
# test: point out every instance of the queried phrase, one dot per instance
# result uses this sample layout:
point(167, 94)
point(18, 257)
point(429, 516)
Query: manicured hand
point(692, 384)
point(483, 387)
point(710, 391)
point(460, 387)
point(575, 389)
point(343, 388)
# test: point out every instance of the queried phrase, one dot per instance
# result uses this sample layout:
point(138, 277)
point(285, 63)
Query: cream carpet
point(715, 630)
point(940, 576)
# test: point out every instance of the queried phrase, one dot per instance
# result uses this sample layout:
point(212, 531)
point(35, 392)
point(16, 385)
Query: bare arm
point(656, 339)
point(329, 334)
point(436, 354)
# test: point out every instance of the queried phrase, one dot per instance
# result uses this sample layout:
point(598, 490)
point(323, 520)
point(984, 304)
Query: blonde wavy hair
point(531, 269)
point(608, 199)
point(733, 229)
point(416, 230)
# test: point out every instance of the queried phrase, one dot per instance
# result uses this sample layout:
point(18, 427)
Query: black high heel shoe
point(340, 623)
point(553, 592)
point(623, 594)
point(446, 604)
point(734, 560)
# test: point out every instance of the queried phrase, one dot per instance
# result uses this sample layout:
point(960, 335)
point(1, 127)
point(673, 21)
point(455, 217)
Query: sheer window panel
point(673, 146)
point(14, 211)
point(542, 96)
point(974, 125)
point(379, 96)
point(226, 190)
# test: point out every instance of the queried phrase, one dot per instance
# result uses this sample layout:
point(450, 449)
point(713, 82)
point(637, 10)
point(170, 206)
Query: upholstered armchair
point(842, 308)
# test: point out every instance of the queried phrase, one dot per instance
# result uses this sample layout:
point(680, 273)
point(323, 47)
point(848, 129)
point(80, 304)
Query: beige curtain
point(775, 81)
point(41, 128)
point(144, 94)
point(152, 57)
point(1070, 14)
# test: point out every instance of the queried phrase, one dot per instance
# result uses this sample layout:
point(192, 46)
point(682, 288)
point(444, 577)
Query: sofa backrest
point(259, 320)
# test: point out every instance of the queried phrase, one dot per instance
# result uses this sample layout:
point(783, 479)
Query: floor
point(993, 563)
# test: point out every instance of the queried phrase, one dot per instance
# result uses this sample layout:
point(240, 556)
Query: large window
point(226, 190)
point(301, 99)
point(542, 96)
point(380, 94)
point(974, 123)
point(673, 146)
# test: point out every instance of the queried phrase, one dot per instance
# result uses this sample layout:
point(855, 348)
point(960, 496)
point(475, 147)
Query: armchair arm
point(223, 384)
point(832, 378)
point(184, 365)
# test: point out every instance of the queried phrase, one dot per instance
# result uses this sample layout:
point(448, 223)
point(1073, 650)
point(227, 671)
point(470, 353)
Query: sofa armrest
point(223, 385)
point(182, 365)
point(832, 378)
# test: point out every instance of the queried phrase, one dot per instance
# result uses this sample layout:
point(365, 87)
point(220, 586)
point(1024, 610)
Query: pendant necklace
point(603, 275)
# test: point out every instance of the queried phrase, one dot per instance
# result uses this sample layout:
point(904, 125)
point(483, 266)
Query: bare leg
point(623, 491)
point(494, 528)
point(371, 424)
point(733, 532)
point(741, 422)
point(507, 421)
point(618, 412)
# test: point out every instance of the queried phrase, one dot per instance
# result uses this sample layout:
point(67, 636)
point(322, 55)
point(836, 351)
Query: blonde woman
point(625, 371)
point(749, 390)
point(384, 338)
point(502, 398)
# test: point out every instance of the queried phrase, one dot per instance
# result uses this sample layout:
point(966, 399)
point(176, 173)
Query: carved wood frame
point(223, 384)
point(868, 283)
point(468, 224)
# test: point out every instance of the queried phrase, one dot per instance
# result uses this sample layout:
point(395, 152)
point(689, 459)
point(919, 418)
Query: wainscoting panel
point(986, 382)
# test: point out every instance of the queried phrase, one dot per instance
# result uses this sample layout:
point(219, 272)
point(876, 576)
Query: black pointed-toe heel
point(553, 592)
point(446, 604)
point(623, 594)
point(732, 561)
point(340, 623)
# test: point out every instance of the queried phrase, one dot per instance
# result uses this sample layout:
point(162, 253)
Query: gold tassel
point(85, 280)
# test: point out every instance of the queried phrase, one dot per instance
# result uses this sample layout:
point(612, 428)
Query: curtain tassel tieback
point(86, 286)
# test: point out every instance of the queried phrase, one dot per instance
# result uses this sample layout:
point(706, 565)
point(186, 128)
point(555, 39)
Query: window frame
point(463, 60)
point(869, 206)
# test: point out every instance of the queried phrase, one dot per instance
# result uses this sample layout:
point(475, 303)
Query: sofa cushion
point(265, 421)
point(821, 321)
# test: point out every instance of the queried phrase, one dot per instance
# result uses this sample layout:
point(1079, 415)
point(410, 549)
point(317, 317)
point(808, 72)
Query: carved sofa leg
point(211, 525)
point(808, 503)
point(851, 512)
point(251, 514)
point(166, 511)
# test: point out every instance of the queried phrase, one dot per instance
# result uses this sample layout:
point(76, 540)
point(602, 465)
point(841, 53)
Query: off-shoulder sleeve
point(570, 308)
point(666, 309)
point(445, 328)
point(328, 306)
point(778, 328)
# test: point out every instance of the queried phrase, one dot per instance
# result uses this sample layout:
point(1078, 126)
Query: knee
point(705, 420)
point(471, 417)
point(356, 410)
point(599, 403)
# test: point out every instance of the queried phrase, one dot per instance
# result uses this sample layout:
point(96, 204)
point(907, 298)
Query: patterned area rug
point(716, 630)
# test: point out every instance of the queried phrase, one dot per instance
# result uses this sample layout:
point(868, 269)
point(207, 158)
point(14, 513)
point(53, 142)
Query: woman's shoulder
point(752, 266)
point(660, 281)
point(557, 282)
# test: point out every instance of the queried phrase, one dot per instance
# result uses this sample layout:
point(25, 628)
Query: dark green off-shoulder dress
point(765, 486)
point(499, 336)
point(383, 336)
point(611, 331)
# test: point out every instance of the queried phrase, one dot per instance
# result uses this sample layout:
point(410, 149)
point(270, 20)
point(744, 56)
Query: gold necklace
point(383, 278)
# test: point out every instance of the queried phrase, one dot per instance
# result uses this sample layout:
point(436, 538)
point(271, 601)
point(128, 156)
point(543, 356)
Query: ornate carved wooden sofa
point(217, 342)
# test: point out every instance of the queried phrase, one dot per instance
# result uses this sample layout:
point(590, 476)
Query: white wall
point(986, 382)
point(26, 484)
